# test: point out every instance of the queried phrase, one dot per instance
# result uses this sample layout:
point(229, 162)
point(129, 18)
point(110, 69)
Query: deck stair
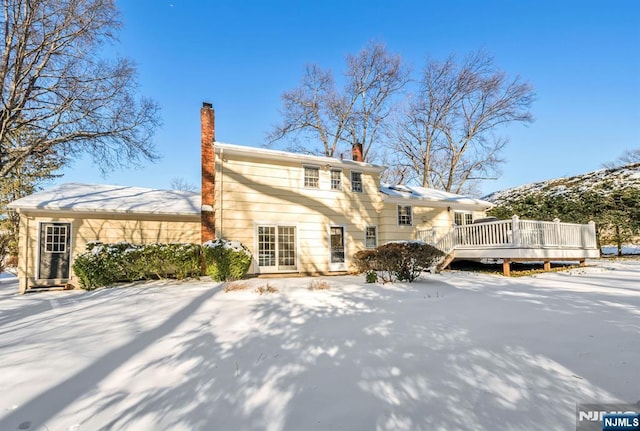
point(446, 245)
point(445, 261)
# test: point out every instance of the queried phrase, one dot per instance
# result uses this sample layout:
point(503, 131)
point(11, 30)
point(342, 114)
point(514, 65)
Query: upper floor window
point(356, 181)
point(404, 215)
point(336, 179)
point(311, 177)
point(461, 218)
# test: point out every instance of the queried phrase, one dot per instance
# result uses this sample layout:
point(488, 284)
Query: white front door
point(337, 257)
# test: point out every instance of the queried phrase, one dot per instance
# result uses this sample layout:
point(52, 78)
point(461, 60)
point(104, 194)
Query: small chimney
point(356, 152)
point(207, 154)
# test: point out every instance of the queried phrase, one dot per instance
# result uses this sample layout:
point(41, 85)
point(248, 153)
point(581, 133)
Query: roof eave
point(89, 211)
point(479, 206)
point(302, 158)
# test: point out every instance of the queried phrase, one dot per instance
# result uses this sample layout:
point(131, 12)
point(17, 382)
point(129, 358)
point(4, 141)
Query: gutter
point(436, 204)
point(90, 212)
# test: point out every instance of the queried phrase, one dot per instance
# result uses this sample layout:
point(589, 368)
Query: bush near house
point(104, 264)
point(402, 261)
point(226, 260)
point(175, 260)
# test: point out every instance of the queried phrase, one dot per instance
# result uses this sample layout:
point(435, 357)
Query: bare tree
point(329, 119)
point(56, 88)
point(446, 133)
point(628, 157)
point(179, 183)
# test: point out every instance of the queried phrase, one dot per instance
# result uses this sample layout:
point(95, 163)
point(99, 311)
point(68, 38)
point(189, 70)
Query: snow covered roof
point(101, 198)
point(432, 196)
point(268, 154)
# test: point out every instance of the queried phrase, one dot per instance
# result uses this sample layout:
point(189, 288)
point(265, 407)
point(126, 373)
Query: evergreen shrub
point(226, 260)
point(104, 264)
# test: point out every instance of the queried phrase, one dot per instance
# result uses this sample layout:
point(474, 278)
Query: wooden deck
point(517, 240)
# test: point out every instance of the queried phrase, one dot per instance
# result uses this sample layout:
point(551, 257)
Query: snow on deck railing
point(516, 233)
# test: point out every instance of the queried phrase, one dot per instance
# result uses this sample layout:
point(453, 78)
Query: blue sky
point(582, 57)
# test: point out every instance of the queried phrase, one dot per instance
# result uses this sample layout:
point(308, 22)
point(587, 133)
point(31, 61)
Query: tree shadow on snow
point(36, 412)
point(362, 359)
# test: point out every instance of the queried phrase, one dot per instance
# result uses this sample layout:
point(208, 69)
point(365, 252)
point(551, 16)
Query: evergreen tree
point(616, 212)
point(28, 178)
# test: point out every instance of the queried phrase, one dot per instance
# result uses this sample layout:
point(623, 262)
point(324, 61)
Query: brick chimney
point(207, 154)
point(356, 152)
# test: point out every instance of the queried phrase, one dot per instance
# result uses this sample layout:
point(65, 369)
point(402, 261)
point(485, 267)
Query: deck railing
point(515, 233)
point(550, 234)
point(493, 234)
point(427, 235)
point(447, 243)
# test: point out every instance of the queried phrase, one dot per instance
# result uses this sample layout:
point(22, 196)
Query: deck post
point(515, 230)
point(506, 267)
point(591, 235)
point(547, 265)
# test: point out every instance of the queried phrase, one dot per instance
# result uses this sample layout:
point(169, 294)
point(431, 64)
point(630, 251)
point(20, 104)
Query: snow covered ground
point(458, 351)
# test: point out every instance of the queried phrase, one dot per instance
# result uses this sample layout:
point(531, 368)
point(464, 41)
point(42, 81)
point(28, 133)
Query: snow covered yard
point(455, 351)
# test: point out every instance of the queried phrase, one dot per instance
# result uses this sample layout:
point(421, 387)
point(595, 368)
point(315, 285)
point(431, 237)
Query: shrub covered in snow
point(95, 267)
point(169, 260)
point(402, 261)
point(104, 264)
point(226, 260)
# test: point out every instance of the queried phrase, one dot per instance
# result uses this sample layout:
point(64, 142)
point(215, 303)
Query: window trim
point(410, 215)
point(304, 177)
point(464, 215)
point(52, 243)
point(361, 182)
point(375, 230)
point(331, 171)
point(277, 269)
point(338, 266)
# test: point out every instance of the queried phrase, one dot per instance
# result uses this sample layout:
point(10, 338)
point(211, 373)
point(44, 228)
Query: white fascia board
point(435, 204)
point(95, 212)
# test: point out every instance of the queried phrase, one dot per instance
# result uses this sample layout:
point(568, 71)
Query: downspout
point(25, 269)
point(221, 191)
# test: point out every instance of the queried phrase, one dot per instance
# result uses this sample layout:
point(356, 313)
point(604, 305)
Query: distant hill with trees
point(610, 197)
